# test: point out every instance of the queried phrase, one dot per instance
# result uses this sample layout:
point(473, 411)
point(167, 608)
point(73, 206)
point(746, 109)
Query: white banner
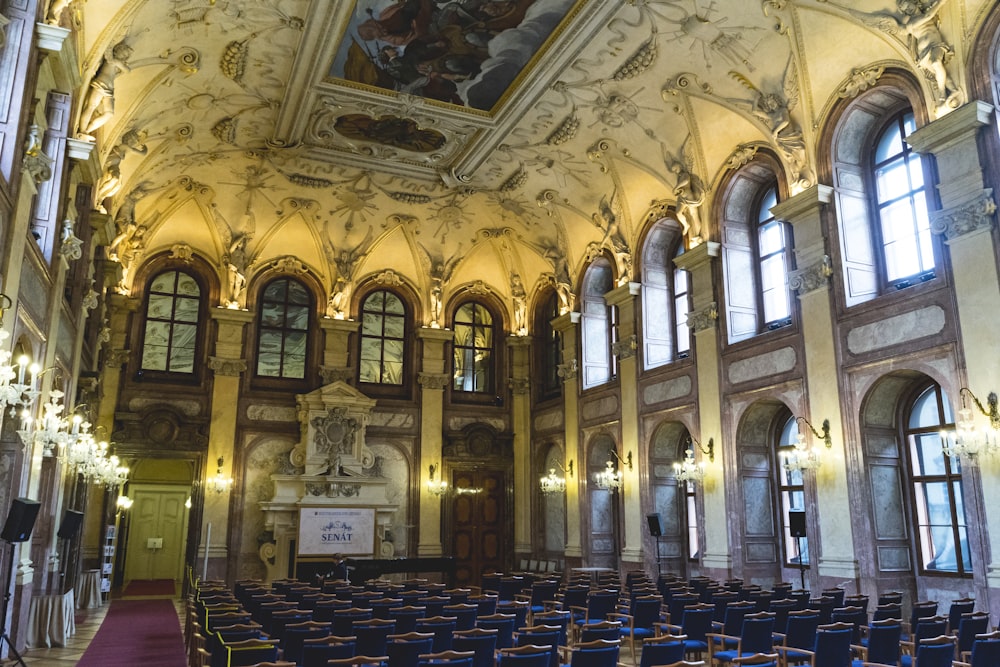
point(324, 531)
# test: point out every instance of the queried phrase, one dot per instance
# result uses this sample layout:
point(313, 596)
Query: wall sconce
point(612, 478)
point(124, 504)
point(553, 483)
point(688, 470)
point(805, 456)
point(435, 488)
point(965, 439)
point(219, 483)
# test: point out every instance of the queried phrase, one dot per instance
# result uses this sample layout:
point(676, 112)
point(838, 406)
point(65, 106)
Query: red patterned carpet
point(137, 632)
point(145, 587)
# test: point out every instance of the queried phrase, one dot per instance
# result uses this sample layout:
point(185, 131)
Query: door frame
point(184, 531)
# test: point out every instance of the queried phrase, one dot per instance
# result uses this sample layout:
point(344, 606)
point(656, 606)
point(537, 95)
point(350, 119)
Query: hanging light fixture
point(965, 439)
point(220, 482)
point(435, 487)
point(553, 482)
point(612, 477)
point(689, 470)
point(804, 456)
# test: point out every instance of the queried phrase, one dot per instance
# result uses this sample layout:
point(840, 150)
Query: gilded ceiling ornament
point(565, 131)
point(638, 63)
point(515, 180)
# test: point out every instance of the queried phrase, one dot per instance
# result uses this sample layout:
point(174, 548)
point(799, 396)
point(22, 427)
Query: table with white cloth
point(88, 590)
point(50, 620)
point(594, 572)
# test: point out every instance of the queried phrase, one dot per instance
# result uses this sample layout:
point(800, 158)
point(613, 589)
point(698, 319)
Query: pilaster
point(520, 384)
point(567, 325)
point(433, 379)
point(336, 358)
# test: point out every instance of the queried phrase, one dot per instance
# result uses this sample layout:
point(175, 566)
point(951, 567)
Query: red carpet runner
point(137, 632)
point(138, 587)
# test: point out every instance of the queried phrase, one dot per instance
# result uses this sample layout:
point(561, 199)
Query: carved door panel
point(476, 526)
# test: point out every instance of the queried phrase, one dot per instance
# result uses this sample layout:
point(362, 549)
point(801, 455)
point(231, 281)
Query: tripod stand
point(6, 605)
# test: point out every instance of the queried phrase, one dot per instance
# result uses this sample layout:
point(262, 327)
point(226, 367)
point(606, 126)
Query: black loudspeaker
point(20, 520)
point(797, 523)
point(655, 528)
point(70, 525)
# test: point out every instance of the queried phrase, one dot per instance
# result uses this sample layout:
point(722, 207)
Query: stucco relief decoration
point(625, 348)
point(568, 370)
point(438, 271)
point(689, 189)
point(346, 260)
point(811, 278)
point(36, 163)
point(433, 380)
point(227, 367)
point(72, 246)
point(334, 436)
point(860, 80)
point(976, 215)
point(182, 252)
point(610, 218)
point(263, 460)
point(703, 319)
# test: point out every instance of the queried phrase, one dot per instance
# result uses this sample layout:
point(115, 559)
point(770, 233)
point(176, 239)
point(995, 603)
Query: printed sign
point(324, 531)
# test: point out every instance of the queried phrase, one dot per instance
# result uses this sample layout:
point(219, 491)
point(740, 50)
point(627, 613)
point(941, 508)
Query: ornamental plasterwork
point(974, 216)
point(860, 80)
point(568, 370)
point(329, 374)
point(433, 380)
point(227, 367)
point(704, 318)
point(182, 252)
point(625, 348)
point(811, 278)
point(334, 435)
point(519, 386)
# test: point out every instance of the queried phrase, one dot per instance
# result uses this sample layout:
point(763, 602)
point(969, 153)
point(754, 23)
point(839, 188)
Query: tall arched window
point(665, 297)
point(597, 325)
point(383, 329)
point(283, 330)
point(170, 337)
point(773, 259)
point(792, 494)
point(936, 484)
point(474, 349)
point(901, 204)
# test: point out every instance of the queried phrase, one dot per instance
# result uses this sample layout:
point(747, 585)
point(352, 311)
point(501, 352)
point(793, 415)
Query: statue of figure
point(56, 9)
point(520, 299)
point(336, 305)
point(99, 105)
point(689, 191)
point(917, 23)
point(439, 272)
point(111, 181)
point(237, 263)
point(608, 218)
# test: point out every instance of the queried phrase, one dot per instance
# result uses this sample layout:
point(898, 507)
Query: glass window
point(283, 331)
point(665, 297)
point(473, 348)
point(792, 495)
point(691, 509)
point(772, 258)
point(901, 202)
point(596, 325)
point(936, 479)
point(383, 327)
point(173, 308)
point(682, 307)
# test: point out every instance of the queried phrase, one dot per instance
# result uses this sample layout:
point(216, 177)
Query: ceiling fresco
point(517, 140)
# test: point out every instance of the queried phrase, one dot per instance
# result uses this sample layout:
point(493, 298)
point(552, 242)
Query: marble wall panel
point(757, 507)
point(272, 413)
point(887, 495)
point(764, 365)
point(896, 330)
point(894, 559)
point(667, 390)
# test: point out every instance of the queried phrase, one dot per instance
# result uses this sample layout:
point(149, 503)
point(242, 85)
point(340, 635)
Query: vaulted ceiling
point(500, 141)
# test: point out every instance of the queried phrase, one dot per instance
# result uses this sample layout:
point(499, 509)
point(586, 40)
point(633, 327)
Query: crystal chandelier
point(968, 441)
point(553, 482)
point(688, 470)
point(609, 478)
point(804, 456)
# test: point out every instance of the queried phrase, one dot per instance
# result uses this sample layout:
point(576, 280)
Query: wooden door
point(477, 523)
point(157, 528)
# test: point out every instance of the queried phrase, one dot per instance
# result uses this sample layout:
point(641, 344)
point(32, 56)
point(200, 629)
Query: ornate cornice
point(567, 371)
point(811, 278)
point(625, 348)
point(227, 367)
point(976, 215)
point(433, 380)
point(704, 318)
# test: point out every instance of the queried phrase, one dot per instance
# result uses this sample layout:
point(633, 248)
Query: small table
point(88, 590)
point(592, 571)
point(50, 620)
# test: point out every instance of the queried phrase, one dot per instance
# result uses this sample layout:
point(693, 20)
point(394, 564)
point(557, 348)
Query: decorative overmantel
point(337, 471)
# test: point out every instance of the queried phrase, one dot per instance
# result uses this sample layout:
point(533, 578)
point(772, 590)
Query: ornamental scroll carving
point(812, 278)
point(329, 374)
point(519, 386)
point(334, 435)
point(227, 367)
point(704, 318)
point(625, 348)
point(961, 220)
point(568, 370)
point(433, 380)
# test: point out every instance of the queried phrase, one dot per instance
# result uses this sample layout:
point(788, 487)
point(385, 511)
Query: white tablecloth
point(50, 620)
point(88, 590)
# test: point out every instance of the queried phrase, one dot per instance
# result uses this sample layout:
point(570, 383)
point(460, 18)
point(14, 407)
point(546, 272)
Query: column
point(567, 325)
point(524, 483)
point(227, 365)
point(811, 281)
point(702, 320)
point(623, 298)
point(433, 379)
point(966, 220)
point(336, 358)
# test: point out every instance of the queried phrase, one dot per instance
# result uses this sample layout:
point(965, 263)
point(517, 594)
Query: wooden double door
point(477, 522)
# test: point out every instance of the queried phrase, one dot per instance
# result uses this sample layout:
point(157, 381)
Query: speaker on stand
point(17, 528)
point(797, 528)
point(68, 529)
point(656, 530)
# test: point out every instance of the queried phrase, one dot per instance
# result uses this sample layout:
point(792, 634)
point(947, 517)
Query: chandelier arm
point(824, 436)
point(709, 451)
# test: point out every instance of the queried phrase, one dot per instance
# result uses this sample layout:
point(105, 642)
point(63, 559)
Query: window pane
point(164, 283)
point(393, 304)
point(160, 306)
point(154, 357)
point(371, 325)
point(294, 366)
point(890, 144)
point(272, 315)
point(926, 455)
point(394, 326)
point(382, 331)
point(297, 317)
point(371, 350)
point(269, 364)
point(298, 294)
point(187, 286)
point(186, 310)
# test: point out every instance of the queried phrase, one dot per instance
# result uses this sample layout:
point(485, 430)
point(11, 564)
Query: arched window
point(598, 328)
point(474, 349)
point(773, 258)
point(665, 297)
point(901, 204)
point(173, 309)
point(549, 347)
point(792, 494)
point(283, 330)
point(383, 329)
point(936, 486)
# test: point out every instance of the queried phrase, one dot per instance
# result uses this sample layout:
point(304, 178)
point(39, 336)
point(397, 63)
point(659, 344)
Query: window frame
point(379, 388)
point(308, 360)
point(605, 315)
point(194, 376)
point(764, 218)
point(489, 393)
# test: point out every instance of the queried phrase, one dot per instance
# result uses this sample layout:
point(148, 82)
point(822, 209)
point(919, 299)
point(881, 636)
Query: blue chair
point(800, 631)
point(442, 627)
point(480, 641)
point(757, 660)
point(696, 624)
point(928, 627)
point(662, 650)
point(600, 630)
point(832, 648)
point(732, 625)
point(970, 626)
point(824, 605)
point(640, 624)
point(434, 604)
point(600, 603)
point(781, 607)
point(503, 624)
point(449, 658)
point(281, 619)
point(490, 582)
point(543, 591)
point(934, 652)
point(985, 651)
point(519, 609)
point(250, 652)
point(528, 655)
point(882, 645)
point(342, 624)
point(837, 594)
point(404, 650)
point(855, 616)
point(555, 617)
point(324, 609)
point(890, 597)
point(297, 633)
point(406, 617)
point(361, 661)
point(458, 595)
point(676, 605)
point(598, 653)
point(755, 637)
point(955, 611)
point(465, 614)
point(372, 635)
point(888, 610)
point(541, 635)
point(380, 607)
point(318, 651)
point(922, 610)
point(510, 586)
point(720, 601)
point(487, 603)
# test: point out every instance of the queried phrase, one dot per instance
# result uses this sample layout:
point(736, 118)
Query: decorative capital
point(519, 386)
point(976, 215)
point(625, 348)
point(436, 381)
point(329, 374)
point(811, 278)
point(704, 318)
point(116, 358)
point(568, 370)
point(227, 367)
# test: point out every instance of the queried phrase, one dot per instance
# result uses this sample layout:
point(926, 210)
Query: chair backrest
point(503, 624)
point(529, 655)
point(598, 653)
point(732, 624)
point(697, 622)
point(833, 645)
point(600, 630)
point(516, 607)
point(464, 613)
point(883, 641)
point(600, 603)
point(434, 604)
point(361, 661)
point(801, 629)
point(543, 591)
point(555, 617)
point(250, 652)
point(837, 594)
point(343, 619)
point(969, 627)
point(372, 635)
point(318, 651)
point(935, 652)
point(890, 597)
point(955, 611)
point(480, 641)
point(921, 610)
point(720, 601)
point(406, 617)
point(985, 650)
point(487, 603)
point(380, 607)
point(757, 660)
point(824, 605)
point(888, 610)
point(856, 616)
point(449, 657)
point(781, 608)
point(677, 604)
point(929, 626)
point(541, 635)
point(662, 650)
point(757, 633)
point(404, 650)
point(442, 627)
point(297, 633)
